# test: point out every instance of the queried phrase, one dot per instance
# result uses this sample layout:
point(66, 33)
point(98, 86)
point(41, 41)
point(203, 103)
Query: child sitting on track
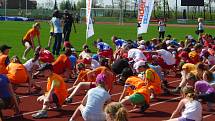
point(18, 74)
point(56, 91)
point(191, 109)
point(91, 108)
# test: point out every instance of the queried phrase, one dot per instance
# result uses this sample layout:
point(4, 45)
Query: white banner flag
point(90, 30)
point(144, 13)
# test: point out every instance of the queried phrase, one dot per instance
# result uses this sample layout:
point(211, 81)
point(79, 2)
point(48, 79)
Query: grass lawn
point(11, 33)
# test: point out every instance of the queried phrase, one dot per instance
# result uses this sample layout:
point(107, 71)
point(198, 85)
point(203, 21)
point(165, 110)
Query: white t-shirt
point(200, 26)
point(96, 99)
point(193, 110)
point(136, 55)
point(161, 27)
point(84, 54)
point(30, 64)
point(166, 56)
point(57, 25)
point(94, 64)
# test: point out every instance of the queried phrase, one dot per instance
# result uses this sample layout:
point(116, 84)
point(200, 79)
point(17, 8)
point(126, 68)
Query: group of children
point(140, 66)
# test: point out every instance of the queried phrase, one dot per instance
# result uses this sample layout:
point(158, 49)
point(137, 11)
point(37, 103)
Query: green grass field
point(12, 32)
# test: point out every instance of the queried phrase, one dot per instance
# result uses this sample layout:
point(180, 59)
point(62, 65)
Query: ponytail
point(121, 115)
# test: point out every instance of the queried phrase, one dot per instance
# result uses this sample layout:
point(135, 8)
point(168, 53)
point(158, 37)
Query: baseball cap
point(67, 44)
point(4, 47)
point(101, 78)
point(45, 67)
point(138, 64)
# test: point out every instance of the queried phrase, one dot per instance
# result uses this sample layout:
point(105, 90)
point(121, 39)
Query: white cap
point(179, 49)
point(168, 42)
point(169, 48)
point(141, 47)
point(189, 37)
point(138, 64)
point(141, 42)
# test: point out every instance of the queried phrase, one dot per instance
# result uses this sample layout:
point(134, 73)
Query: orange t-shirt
point(60, 90)
point(61, 64)
point(3, 69)
point(91, 75)
point(17, 73)
point(153, 80)
point(135, 85)
point(31, 34)
point(82, 76)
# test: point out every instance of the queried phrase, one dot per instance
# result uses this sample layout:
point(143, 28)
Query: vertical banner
point(145, 8)
point(90, 30)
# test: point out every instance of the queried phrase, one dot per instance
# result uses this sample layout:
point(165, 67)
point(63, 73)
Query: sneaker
point(68, 100)
point(144, 108)
point(40, 114)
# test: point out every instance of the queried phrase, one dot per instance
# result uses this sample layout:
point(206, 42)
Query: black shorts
point(55, 99)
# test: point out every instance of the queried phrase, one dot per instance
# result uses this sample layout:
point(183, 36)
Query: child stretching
point(91, 108)
point(56, 91)
point(115, 111)
point(138, 93)
point(191, 109)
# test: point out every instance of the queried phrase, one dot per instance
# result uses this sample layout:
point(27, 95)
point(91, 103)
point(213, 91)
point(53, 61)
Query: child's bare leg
point(81, 85)
point(77, 112)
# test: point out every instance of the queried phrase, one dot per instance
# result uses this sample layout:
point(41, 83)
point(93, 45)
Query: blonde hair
point(15, 59)
point(189, 92)
point(117, 111)
point(36, 25)
point(200, 19)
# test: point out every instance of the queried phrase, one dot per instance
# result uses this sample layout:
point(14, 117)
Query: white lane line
point(28, 113)
point(173, 81)
point(164, 101)
point(206, 116)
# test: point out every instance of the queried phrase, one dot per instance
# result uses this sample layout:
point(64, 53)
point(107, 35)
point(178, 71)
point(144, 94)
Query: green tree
point(65, 5)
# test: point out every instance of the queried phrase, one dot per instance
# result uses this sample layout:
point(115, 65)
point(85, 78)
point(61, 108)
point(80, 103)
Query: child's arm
point(14, 98)
point(46, 100)
point(122, 95)
point(178, 109)
point(84, 101)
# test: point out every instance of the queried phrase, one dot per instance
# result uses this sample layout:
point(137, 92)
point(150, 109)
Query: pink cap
point(100, 78)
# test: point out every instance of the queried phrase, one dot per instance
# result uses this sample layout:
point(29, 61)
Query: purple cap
point(100, 78)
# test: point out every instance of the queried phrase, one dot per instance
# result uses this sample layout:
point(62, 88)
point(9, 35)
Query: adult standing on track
point(28, 39)
point(68, 22)
point(57, 32)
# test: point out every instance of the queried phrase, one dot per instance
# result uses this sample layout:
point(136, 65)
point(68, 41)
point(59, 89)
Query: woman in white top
point(191, 109)
point(92, 105)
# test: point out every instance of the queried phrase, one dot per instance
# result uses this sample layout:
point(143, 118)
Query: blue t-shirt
point(4, 92)
point(120, 42)
point(73, 61)
point(103, 46)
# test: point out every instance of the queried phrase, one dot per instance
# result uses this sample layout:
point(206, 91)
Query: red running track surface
point(160, 109)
